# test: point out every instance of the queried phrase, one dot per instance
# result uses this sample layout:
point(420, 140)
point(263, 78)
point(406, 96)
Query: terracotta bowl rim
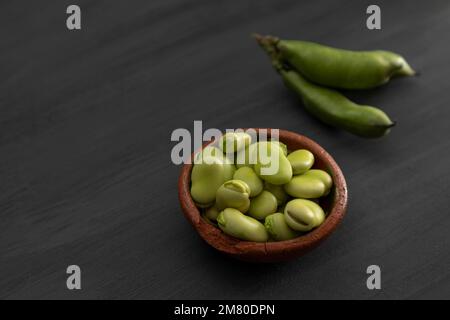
point(244, 249)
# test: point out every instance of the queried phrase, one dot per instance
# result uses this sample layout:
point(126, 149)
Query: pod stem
point(269, 45)
point(393, 124)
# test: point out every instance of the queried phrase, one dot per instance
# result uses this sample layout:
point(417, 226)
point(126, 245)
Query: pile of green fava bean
point(311, 70)
point(247, 202)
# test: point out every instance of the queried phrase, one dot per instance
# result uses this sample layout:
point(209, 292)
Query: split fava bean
point(278, 229)
point(301, 161)
point(328, 105)
point(233, 194)
point(263, 205)
point(238, 225)
point(303, 215)
point(249, 176)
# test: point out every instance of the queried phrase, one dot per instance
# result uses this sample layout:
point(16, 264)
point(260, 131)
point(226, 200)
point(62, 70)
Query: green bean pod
point(233, 194)
point(339, 68)
point(330, 106)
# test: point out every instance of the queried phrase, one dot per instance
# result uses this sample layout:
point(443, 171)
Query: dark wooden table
point(85, 124)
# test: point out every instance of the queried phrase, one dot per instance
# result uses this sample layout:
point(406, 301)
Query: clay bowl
point(335, 204)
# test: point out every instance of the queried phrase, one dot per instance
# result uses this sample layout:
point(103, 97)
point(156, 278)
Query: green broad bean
point(210, 152)
point(301, 161)
point(248, 157)
point(262, 205)
point(278, 229)
point(232, 142)
point(249, 176)
point(303, 215)
point(233, 194)
point(206, 178)
point(237, 201)
point(238, 225)
point(322, 175)
point(340, 68)
point(211, 214)
point(306, 186)
point(336, 110)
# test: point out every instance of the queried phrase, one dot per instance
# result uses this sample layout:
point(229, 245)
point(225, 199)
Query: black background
point(85, 171)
